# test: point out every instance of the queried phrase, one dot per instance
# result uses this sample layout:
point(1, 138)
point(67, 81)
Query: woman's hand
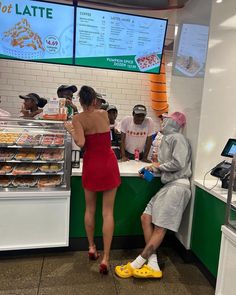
point(69, 127)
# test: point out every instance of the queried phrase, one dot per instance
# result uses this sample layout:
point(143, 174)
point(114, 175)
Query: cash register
point(222, 170)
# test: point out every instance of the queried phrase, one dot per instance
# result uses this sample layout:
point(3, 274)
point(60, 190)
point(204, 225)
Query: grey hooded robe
point(174, 154)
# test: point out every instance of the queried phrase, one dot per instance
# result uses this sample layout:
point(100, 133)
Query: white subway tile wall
point(124, 89)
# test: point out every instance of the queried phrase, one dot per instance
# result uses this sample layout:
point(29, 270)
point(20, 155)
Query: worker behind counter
point(115, 134)
point(32, 106)
point(101, 103)
point(136, 135)
point(67, 91)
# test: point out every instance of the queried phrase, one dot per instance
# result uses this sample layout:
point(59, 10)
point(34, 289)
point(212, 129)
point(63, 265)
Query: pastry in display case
point(56, 140)
point(52, 155)
point(24, 169)
point(5, 181)
point(34, 154)
point(52, 167)
point(24, 181)
point(7, 138)
point(27, 155)
point(6, 154)
point(5, 168)
point(29, 139)
point(52, 181)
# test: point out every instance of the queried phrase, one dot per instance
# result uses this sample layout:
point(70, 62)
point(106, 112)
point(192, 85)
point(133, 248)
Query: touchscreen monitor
point(230, 148)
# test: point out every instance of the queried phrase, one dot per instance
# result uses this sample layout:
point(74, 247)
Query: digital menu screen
point(192, 50)
point(111, 40)
point(36, 31)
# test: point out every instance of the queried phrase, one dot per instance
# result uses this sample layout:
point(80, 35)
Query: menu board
point(119, 41)
point(36, 31)
point(192, 51)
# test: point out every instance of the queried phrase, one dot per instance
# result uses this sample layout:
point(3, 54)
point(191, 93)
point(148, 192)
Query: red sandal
point(103, 269)
point(93, 255)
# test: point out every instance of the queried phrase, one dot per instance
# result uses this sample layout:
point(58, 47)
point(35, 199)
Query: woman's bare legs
point(89, 218)
point(108, 223)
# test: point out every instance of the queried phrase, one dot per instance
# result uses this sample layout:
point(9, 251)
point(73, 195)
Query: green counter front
point(131, 199)
point(208, 217)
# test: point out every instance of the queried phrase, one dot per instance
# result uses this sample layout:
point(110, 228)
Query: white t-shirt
point(136, 135)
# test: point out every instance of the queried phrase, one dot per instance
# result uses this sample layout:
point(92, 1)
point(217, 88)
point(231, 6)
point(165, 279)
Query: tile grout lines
point(41, 271)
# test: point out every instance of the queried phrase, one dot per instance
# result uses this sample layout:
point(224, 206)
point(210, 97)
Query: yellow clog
point(146, 272)
point(124, 271)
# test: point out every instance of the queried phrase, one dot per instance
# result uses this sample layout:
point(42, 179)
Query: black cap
point(40, 101)
point(140, 109)
point(73, 88)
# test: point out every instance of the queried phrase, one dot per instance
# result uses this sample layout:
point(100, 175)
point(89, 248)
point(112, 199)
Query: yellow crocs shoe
point(147, 272)
point(124, 271)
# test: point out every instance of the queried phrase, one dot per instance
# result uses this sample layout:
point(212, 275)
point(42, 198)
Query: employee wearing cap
point(67, 91)
point(115, 134)
point(136, 134)
point(33, 105)
point(101, 103)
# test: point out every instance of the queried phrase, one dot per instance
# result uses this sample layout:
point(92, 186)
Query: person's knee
point(145, 219)
point(107, 214)
point(159, 229)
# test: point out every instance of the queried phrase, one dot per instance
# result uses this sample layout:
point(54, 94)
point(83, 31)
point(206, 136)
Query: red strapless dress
point(100, 167)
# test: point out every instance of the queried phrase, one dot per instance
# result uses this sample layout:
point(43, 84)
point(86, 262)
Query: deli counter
point(35, 170)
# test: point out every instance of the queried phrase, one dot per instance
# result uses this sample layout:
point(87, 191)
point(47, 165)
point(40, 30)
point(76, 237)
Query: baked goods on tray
point(8, 138)
point(27, 155)
point(50, 168)
point(49, 181)
point(51, 139)
point(6, 155)
point(47, 139)
point(5, 181)
point(52, 155)
point(5, 168)
point(28, 139)
point(59, 140)
point(24, 181)
point(24, 169)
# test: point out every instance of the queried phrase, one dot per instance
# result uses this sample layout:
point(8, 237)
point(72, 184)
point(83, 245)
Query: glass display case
point(231, 199)
point(35, 171)
point(34, 155)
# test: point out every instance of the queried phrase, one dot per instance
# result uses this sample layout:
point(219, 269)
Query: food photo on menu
point(188, 65)
point(148, 61)
point(21, 36)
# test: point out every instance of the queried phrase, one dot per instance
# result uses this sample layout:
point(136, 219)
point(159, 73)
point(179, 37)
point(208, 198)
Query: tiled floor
point(70, 273)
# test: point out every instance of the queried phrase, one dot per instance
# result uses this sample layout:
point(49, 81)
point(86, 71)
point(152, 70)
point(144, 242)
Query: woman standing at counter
point(91, 129)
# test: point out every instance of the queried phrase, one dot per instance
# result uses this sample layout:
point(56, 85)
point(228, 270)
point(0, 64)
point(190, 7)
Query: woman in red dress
point(91, 129)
